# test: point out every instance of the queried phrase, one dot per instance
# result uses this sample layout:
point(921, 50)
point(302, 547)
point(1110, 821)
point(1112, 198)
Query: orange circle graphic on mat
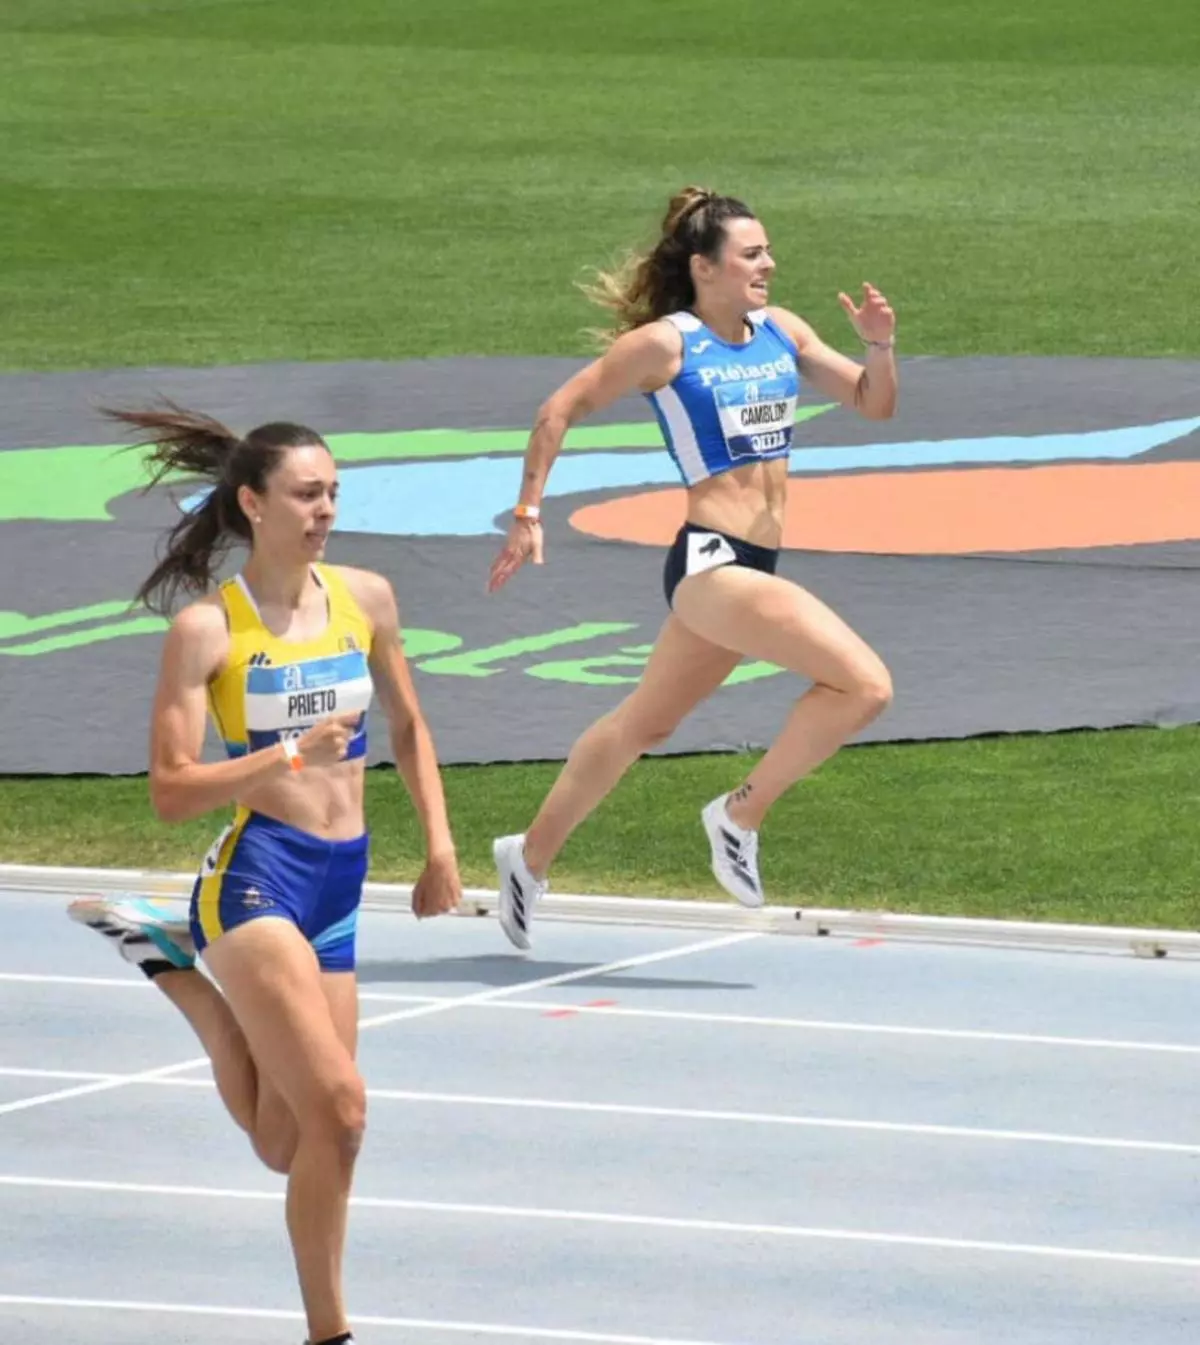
point(950, 512)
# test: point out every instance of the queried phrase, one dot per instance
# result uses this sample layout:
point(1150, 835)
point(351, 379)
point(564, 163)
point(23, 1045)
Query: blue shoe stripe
point(170, 950)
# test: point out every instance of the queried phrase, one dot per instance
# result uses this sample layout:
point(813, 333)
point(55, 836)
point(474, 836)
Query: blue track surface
point(761, 1141)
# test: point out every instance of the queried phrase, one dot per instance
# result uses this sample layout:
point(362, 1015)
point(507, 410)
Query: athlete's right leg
point(765, 616)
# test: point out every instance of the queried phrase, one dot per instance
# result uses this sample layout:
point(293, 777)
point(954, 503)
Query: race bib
point(756, 417)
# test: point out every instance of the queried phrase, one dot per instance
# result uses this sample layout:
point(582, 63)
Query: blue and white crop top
point(728, 405)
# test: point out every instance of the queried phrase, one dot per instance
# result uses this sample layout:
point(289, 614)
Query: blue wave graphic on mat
point(462, 498)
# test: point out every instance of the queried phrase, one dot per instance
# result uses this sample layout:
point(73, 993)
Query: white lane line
point(83, 1075)
point(563, 978)
point(408, 1323)
point(879, 1029)
point(380, 1020)
point(725, 1227)
point(701, 1114)
point(783, 1119)
point(44, 978)
point(101, 1086)
point(716, 1019)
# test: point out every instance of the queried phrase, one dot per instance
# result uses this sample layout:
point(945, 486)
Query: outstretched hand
point(524, 543)
point(874, 320)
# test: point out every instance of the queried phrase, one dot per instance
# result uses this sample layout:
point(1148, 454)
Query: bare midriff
point(747, 502)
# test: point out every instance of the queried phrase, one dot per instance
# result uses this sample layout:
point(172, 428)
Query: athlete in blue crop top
point(722, 368)
point(285, 657)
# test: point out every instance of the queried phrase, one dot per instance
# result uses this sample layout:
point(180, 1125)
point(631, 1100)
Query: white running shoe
point(145, 933)
point(734, 854)
point(520, 891)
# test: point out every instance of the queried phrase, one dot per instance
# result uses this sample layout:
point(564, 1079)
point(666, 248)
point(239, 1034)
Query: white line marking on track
point(563, 978)
point(782, 1119)
point(638, 1110)
point(870, 1029)
point(716, 1019)
point(421, 1011)
point(41, 978)
point(102, 1086)
point(725, 1227)
point(409, 1323)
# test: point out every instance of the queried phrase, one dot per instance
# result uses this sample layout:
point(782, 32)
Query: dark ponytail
point(651, 285)
point(194, 445)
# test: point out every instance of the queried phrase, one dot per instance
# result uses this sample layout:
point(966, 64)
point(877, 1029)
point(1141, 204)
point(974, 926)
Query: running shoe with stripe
point(144, 932)
point(520, 891)
point(734, 854)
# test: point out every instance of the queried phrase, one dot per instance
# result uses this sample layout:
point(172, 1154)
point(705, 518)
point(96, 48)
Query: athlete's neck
point(728, 323)
point(283, 586)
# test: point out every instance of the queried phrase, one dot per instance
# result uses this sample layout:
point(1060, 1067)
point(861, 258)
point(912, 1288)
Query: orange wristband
point(292, 752)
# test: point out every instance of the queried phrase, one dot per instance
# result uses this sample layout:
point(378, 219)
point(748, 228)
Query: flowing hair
point(196, 445)
point(647, 286)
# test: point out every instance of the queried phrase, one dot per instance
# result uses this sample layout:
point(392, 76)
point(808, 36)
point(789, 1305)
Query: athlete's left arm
point(439, 887)
point(872, 388)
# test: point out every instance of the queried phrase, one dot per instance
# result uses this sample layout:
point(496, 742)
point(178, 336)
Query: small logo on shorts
point(254, 900)
point(706, 551)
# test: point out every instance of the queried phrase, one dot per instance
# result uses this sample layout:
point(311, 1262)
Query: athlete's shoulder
point(372, 591)
point(645, 359)
point(203, 619)
point(658, 338)
point(792, 325)
point(198, 637)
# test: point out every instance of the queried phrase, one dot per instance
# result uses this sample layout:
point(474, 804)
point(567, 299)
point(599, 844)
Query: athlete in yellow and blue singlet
point(277, 1011)
point(268, 691)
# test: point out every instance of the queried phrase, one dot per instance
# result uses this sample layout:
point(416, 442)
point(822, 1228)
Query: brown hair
point(650, 285)
point(198, 446)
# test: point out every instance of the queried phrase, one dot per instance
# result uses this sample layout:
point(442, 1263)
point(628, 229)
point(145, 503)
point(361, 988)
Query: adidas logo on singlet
point(259, 660)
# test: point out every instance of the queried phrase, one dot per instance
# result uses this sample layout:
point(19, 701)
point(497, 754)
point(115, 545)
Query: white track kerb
point(672, 914)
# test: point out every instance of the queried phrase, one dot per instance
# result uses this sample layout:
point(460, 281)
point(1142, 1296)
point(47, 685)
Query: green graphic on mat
point(437, 652)
point(78, 483)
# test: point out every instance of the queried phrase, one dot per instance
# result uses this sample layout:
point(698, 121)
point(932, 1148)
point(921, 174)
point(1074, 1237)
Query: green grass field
point(1082, 826)
point(227, 182)
point(200, 183)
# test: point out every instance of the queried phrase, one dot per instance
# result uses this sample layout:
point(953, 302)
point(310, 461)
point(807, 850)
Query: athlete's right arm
point(181, 786)
point(642, 360)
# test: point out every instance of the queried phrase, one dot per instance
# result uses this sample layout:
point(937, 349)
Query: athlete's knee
point(872, 689)
point(339, 1114)
point(866, 689)
point(642, 728)
point(654, 734)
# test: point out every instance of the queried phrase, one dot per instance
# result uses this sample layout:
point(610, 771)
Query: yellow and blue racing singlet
point(272, 688)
